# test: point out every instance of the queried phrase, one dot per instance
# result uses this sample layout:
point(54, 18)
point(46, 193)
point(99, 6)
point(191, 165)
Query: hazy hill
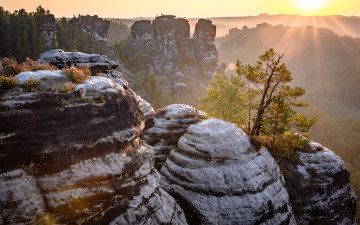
point(324, 63)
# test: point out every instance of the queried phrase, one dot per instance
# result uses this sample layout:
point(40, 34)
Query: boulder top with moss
point(76, 157)
point(62, 59)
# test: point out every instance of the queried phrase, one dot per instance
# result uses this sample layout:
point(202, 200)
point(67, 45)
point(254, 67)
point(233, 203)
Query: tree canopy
point(264, 91)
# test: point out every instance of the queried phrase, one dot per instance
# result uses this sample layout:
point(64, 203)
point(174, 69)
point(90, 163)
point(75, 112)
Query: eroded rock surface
point(76, 158)
point(319, 187)
point(168, 125)
point(47, 28)
point(61, 59)
point(218, 177)
point(185, 64)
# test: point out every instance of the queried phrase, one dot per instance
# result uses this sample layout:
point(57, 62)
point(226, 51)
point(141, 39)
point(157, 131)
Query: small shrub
point(32, 83)
point(96, 72)
point(188, 116)
point(67, 87)
point(7, 82)
point(30, 65)
point(168, 118)
point(85, 69)
point(10, 67)
point(100, 99)
point(75, 75)
point(319, 148)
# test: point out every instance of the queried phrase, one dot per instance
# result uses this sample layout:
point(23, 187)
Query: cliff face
point(184, 64)
point(75, 158)
point(218, 177)
point(319, 187)
point(47, 29)
point(166, 128)
point(210, 184)
point(97, 27)
point(92, 25)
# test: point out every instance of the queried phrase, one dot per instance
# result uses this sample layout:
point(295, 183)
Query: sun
point(310, 4)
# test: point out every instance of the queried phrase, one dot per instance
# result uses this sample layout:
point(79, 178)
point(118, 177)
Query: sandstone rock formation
point(319, 188)
point(47, 29)
point(184, 64)
point(61, 59)
point(98, 28)
point(75, 158)
point(92, 25)
point(169, 124)
point(218, 177)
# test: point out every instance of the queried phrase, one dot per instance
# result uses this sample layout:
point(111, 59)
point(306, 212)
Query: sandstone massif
point(167, 126)
point(218, 177)
point(76, 158)
point(85, 157)
point(184, 64)
point(47, 28)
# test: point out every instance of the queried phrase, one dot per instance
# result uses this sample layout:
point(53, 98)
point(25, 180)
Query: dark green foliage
point(150, 85)
point(132, 58)
point(19, 37)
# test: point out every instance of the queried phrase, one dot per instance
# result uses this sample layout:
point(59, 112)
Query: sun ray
point(310, 5)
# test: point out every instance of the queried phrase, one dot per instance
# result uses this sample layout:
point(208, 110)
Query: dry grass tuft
point(67, 87)
point(30, 65)
point(7, 82)
point(76, 75)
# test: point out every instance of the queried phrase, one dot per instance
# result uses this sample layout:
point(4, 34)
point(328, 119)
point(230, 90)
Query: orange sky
point(183, 8)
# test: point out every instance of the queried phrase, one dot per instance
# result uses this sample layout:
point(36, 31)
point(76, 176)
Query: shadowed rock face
point(61, 59)
point(319, 188)
point(169, 124)
point(184, 64)
point(93, 25)
point(218, 177)
point(47, 28)
point(75, 158)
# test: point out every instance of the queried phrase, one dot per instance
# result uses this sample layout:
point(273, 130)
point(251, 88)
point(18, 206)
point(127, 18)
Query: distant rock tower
point(48, 29)
point(185, 64)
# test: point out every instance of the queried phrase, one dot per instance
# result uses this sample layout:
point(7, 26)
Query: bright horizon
point(185, 8)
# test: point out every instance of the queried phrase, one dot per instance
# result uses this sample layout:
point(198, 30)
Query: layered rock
point(218, 177)
point(92, 25)
point(75, 158)
point(168, 125)
point(204, 38)
point(47, 29)
point(98, 28)
point(61, 59)
point(184, 64)
point(319, 187)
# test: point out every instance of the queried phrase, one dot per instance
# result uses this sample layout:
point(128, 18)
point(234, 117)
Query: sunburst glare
point(310, 4)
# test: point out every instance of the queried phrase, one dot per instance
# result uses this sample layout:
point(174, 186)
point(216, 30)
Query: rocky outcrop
point(169, 124)
point(92, 25)
point(319, 187)
point(218, 177)
point(97, 28)
point(47, 29)
point(61, 59)
point(76, 158)
point(205, 51)
point(184, 64)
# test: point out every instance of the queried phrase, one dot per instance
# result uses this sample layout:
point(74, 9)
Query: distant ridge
point(342, 25)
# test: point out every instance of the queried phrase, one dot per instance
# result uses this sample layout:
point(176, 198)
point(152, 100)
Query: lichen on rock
point(76, 157)
point(218, 177)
